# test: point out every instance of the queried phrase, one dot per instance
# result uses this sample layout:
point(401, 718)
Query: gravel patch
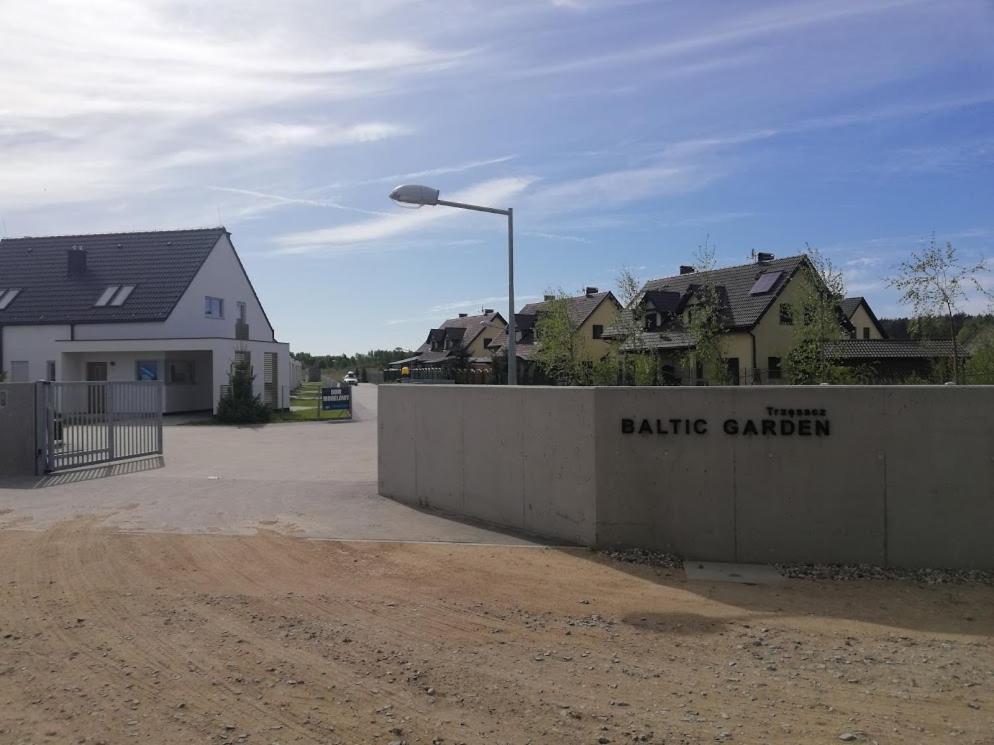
point(836, 572)
point(645, 556)
point(847, 572)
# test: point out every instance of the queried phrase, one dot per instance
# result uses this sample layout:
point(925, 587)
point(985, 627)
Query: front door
point(96, 372)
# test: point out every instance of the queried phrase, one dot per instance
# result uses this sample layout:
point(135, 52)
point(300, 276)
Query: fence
point(83, 424)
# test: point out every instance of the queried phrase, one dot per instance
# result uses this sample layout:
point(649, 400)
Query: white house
point(173, 305)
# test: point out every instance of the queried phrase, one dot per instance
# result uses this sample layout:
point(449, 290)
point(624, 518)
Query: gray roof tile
point(159, 264)
point(879, 349)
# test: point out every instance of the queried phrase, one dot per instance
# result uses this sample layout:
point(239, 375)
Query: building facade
point(175, 306)
point(761, 305)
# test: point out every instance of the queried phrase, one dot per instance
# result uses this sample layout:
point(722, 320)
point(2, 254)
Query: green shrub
point(239, 405)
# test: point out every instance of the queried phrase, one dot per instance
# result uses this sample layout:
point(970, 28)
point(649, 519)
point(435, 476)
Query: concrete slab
point(717, 571)
point(306, 479)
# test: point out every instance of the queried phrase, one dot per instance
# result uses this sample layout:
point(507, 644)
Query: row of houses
point(174, 306)
point(761, 305)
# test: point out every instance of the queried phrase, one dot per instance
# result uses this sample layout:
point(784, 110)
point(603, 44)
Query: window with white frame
point(147, 370)
point(213, 307)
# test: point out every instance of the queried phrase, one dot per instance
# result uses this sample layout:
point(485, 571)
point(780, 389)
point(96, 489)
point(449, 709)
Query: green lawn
point(307, 395)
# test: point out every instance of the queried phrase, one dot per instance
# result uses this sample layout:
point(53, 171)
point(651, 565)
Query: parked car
point(350, 378)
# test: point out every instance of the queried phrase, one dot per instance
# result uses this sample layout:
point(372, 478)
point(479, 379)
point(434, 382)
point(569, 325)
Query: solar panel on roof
point(765, 283)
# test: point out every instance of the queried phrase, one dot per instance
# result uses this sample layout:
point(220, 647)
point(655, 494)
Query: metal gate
point(84, 424)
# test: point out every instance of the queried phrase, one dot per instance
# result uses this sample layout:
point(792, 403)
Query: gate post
point(43, 438)
point(109, 405)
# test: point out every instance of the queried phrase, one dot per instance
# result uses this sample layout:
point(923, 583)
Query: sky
point(624, 133)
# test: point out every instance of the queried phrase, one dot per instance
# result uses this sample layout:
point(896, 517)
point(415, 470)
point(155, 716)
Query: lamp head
point(415, 194)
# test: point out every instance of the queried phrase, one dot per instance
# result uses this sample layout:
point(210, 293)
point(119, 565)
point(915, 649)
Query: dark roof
point(580, 307)
point(744, 309)
point(664, 339)
point(849, 305)
point(159, 264)
point(463, 329)
point(870, 349)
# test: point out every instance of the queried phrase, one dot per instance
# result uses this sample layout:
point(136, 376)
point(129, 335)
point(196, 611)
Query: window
point(213, 307)
point(147, 370)
point(50, 370)
point(786, 314)
point(598, 330)
point(180, 372)
point(487, 341)
point(765, 283)
point(19, 372)
point(651, 321)
point(243, 358)
point(866, 332)
point(7, 297)
point(107, 295)
point(241, 311)
point(123, 294)
point(773, 365)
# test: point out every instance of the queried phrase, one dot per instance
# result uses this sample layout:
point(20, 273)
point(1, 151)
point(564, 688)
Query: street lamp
point(425, 195)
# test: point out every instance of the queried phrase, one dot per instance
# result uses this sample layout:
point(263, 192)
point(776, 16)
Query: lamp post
point(425, 195)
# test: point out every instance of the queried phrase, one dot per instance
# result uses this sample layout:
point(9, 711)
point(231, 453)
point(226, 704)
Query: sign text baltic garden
point(776, 422)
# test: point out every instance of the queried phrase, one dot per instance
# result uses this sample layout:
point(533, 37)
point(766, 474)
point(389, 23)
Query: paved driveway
point(309, 479)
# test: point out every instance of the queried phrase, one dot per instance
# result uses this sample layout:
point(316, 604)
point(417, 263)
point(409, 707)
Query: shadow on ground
point(899, 604)
point(84, 474)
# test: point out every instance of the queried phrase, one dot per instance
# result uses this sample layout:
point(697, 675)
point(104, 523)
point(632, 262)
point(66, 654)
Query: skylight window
point(115, 295)
point(123, 294)
point(108, 294)
point(7, 297)
point(765, 283)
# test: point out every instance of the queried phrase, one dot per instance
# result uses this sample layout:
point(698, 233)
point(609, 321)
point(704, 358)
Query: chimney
point(487, 311)
point(591, 291)
point(686, 269)
point(76, 261)
point(762, 257)
point(549, 298)
point(463, 315)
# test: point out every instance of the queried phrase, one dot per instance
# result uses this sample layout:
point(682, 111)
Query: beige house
point(591, 313)
point(762, 303)
point(459, 342)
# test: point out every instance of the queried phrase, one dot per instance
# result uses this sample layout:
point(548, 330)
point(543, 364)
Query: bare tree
point(935, 283)
point(706, 320)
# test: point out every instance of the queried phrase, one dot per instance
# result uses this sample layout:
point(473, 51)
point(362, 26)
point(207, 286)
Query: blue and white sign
point(337, 399)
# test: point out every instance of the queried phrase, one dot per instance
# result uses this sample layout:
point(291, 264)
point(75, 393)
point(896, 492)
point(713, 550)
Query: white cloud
point(491, 193)
point(311, 135)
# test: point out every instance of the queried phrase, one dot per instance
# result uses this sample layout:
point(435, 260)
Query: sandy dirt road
point(118, 638)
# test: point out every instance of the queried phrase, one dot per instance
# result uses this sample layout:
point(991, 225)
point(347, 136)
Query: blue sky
point(622, 132)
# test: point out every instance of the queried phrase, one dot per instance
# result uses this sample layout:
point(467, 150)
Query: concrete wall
point(492, 453)
point(17, 428)
point(899, 476)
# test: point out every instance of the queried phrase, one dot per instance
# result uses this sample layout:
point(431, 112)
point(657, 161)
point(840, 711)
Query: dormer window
point(115, 295)
point(7, 297)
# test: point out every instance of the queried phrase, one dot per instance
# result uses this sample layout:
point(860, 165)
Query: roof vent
point(762, 257)
point(590, 291)
point(686, 269)
point(487, 311)
point(76, 261)
point(463, 315)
